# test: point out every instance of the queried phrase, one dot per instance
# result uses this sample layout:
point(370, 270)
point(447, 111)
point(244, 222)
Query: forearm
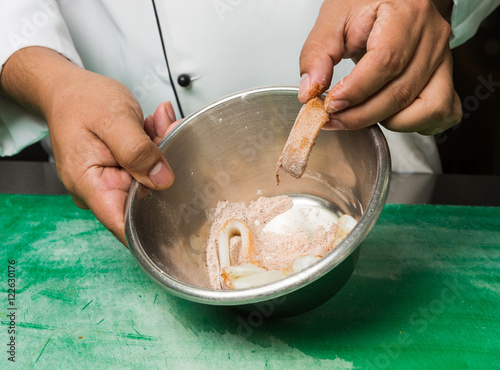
point(32, 75)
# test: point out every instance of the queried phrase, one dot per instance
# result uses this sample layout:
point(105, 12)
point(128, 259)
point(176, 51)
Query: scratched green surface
point(425, 294)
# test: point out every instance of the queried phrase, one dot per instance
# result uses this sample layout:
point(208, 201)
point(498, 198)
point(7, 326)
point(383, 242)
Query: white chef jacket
point(224, 45)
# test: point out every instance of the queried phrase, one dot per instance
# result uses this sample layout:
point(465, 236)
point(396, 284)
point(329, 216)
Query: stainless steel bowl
point(228, 151)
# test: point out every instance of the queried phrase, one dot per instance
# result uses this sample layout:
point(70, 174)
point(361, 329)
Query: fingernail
point(334, 124)
point(170, 111)
point(304, 86)
point(336, 105)
point(161, 175)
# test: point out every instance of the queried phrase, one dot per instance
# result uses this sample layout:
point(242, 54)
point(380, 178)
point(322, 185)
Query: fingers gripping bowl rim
point(228, 151)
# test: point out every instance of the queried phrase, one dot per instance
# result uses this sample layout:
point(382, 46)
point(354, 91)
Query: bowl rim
point(290, 283)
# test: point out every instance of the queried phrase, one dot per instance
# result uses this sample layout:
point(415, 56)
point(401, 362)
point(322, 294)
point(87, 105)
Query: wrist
point(33, 75)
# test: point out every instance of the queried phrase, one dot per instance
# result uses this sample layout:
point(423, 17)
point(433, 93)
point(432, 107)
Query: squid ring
point(231, 228)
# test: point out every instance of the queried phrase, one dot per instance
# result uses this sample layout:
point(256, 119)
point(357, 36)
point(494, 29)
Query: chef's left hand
point(403, 77)
point(99, 138)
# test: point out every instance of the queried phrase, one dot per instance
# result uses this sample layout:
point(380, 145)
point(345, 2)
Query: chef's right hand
point(403, 77)
point(96, 131)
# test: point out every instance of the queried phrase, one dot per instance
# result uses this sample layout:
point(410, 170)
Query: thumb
point(136, 153)
point(322, 50)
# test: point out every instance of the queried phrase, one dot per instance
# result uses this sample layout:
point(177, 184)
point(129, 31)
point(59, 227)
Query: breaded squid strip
point(301, 140)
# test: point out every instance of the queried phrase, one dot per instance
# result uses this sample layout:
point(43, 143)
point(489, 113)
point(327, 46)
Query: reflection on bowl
point(228, 151)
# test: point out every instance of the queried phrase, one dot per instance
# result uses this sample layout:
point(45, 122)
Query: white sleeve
point(466, 17)
point(26, 23)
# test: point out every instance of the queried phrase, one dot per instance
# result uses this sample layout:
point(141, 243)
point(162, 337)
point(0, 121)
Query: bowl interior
point(228, 151)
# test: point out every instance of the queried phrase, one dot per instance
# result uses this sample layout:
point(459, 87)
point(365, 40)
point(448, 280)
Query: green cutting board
point(425, 295)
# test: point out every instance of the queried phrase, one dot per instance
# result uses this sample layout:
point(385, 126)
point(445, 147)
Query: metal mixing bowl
point(228, 151)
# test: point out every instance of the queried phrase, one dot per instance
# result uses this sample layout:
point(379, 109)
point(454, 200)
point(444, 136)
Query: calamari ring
point(231, 228)
point(251, 273)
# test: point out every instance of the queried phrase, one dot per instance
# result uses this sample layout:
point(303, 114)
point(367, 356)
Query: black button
point(184, 80)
